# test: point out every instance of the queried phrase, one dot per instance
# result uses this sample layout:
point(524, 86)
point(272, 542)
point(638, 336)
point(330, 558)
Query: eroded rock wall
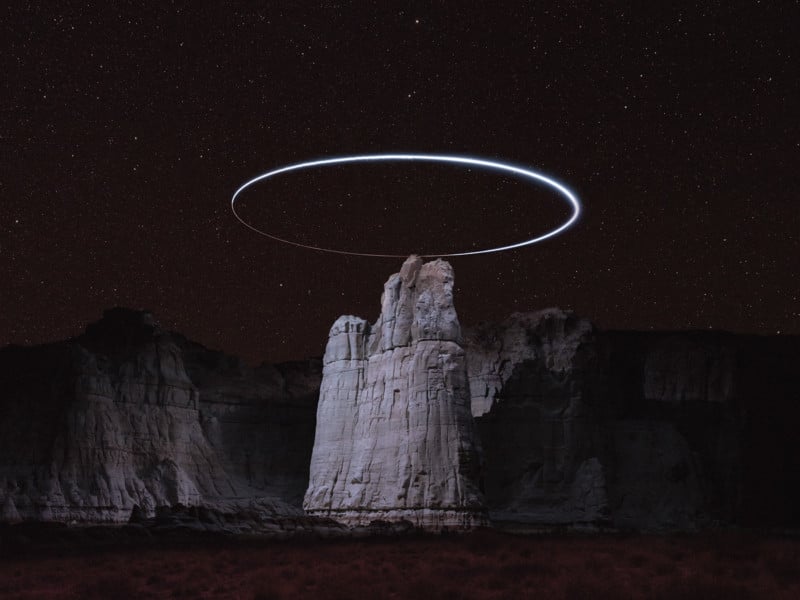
point(97, 425)
point(395, 438)
point(653, 431)
point(533, 379)
point(657, 431)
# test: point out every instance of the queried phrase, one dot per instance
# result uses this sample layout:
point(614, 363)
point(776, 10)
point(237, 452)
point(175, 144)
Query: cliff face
point(395, 438)
point(533, 379)
point(656, 431)
point(664, 431)
point(130, 415)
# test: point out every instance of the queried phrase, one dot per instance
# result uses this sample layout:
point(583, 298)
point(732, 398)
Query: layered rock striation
point(647, 431)
point(633, 430)
point(395, 438)
point(532, 378)
point(129, 415)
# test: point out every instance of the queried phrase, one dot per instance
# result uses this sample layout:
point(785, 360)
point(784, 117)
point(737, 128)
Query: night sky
point(126, 129)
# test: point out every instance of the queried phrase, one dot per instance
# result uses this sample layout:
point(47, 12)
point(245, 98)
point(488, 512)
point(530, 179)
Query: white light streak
point(571, 199)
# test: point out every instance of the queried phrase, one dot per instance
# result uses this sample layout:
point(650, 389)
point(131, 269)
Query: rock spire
point(395, 437)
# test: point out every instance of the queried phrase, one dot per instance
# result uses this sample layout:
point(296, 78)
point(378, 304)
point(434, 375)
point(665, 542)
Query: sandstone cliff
point(664, 430)
point(129, 415)
point(395, 438)
point(653, 431)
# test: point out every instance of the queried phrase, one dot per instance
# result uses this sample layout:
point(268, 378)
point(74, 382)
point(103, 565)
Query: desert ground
point(486, 564)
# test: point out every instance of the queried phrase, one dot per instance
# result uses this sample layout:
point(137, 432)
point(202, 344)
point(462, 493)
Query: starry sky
point(126, 127)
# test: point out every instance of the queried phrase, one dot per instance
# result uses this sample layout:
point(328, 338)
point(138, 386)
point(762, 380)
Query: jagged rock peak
point(417, 304)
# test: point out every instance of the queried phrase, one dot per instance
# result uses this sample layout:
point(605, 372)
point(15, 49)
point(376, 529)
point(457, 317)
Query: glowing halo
point(461, 160)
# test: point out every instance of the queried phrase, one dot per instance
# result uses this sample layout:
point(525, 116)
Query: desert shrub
point(9, 587)
point(497, 583)
point(745, 572)
point(155, 580)
point(109, 586)
point(703, 588)
point(736, 547)
point(676, 554)
point(590, 588)
point(281, 560)
point(440, 590)
point(718, 569)
point(784, 566)
point(267, 590)
point(638, 560)
point(186, 590)
point(664, 568)
point(599, 563)
point(520, 569)
point(451, 593)
point(485, 542)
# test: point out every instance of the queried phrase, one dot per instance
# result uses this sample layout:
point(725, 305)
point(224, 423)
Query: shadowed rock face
point(129, 415)
point(532, 378)
point(653, 431)
point(395, 438)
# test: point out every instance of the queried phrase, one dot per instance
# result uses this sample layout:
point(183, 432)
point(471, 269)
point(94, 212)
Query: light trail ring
point(459, 160)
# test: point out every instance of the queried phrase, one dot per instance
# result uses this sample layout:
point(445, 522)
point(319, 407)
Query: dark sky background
point(125, 130)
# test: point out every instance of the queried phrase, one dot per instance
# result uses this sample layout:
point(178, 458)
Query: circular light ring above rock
point(571, 199)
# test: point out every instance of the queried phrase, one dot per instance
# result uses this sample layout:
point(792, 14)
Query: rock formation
point(532, 380)
point(395, 437)
point(649, 431)
point(129, 415)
